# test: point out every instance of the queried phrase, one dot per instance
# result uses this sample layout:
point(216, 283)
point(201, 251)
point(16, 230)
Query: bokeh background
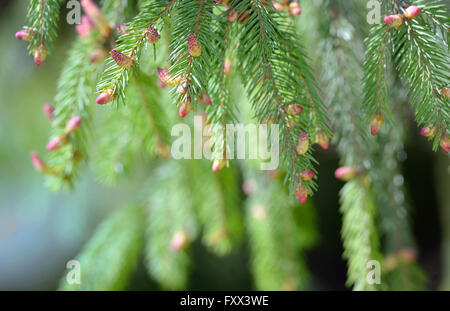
point(41, 230)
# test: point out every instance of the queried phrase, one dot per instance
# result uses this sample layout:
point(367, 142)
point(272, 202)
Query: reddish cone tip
point(37, 162)
point(307, 175)
point(218, 164)
point(105, 97)
point(121, 59)
point(25, 35)
point(185, 109)
point(40, 54)
point(294, 109)
point(227, 67)
point(48, 111)
point(73, 124)
point(152, 34)
point(85, 27)
point(322, 139)
point(445, 92)
point(345, 173)
point(56, 143)
point(445, 143)
point(301, 193)
point(429, 131)
point(303, 144)
point(206, 99)
point(394, 20)
point(412, 12)
point(294, 8)
point(375, 123)
point(232, 16)
point(194, 48)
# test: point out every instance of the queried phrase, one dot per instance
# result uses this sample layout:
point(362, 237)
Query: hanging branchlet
point(424, 78)
point(42, 17)
point(270, 76)
point(142, 29)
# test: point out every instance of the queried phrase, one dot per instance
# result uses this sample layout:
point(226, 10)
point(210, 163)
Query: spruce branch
point(125, 134)
point(109, 259)
point(423, 63)
point(375, 84)
point(171, 225)
point(359, 233)
point(216, 203)
point(72, 99)
point(115, 77)
point(43, 17)
point(277, 260)
point(276, 75)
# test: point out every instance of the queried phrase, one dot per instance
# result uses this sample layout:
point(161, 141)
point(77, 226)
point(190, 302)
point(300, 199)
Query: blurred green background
point(41, 230)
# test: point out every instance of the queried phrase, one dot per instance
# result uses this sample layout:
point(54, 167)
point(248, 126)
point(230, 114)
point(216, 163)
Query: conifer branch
point(43, 17)
point(115, 78)
point(118, 242)
point(217, 206)
point(358, 232)
point(277, 260)
point(73, 99)
point(171, 226)
point(276, 75)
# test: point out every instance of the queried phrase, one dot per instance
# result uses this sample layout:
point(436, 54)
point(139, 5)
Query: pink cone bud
point(322, 140)
point(48, 111)
point(163, 75)
point(182, 89)
point(429, 131)
point(206, 99)
point(375, 123)
point(307, 175)
point(166, 78)
point(194, 48)
point(40, 54)
point(185, 108)
point(152, 34)
point(97, 16)
point(294, 8)
point(105, 97)
point(303, 144)
point(301, 193)
point(277, 6)
point(445, 92)
point(412, 11)
point(218, 164)
point(394, 20)
point(57, 143)
point(85, 27)
point(25, 35)
point(121, 59)
point(445, 143)
point(294, 109)
point(232, 16)
point(179, 241)
point(73, 124)
point(227, 67)
point(345, 173)
point(37, 162)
